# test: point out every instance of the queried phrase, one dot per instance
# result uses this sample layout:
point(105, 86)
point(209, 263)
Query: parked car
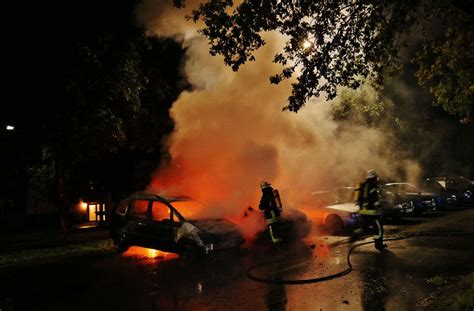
point(391, 207)
point(337, 217)
point(444, 199)
point(152, 221)
point(334, 210)
point(401, 193)
point(457, 191)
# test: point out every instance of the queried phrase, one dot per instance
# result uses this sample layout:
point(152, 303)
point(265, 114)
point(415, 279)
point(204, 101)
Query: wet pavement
point(395, 279)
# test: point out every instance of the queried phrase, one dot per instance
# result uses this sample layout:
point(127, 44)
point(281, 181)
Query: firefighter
point(370, 208)
point(270, 204)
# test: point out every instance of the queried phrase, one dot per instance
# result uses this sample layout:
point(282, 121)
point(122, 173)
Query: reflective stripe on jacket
point(371, 212)
point(273, 219)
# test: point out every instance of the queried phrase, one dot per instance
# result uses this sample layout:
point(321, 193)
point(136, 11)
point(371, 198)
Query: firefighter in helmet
point(370, 208)
point(270, 204)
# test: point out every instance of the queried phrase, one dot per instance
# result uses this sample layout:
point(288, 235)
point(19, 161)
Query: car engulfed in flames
point(153, 222)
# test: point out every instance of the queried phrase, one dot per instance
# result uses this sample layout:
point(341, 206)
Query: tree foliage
point(93, 103)
point(364, 106)
point(118, 89)
point(446, 64)
point(411, 126)
point(329, 43)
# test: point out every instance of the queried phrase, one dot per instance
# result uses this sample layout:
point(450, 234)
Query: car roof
point(179, 198)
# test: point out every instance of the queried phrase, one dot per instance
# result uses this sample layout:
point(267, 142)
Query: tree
point(412, 127)
point(446, 64)
point(101, 95)
point(118, 88)
point(365, 106)
point(334, 43)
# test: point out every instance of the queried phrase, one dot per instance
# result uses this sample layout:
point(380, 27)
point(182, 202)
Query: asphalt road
point(396, 279)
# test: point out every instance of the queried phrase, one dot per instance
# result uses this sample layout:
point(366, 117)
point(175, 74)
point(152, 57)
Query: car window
point(160, 211)
point(409, 188)
point(401, 188)
point(392, 189)
point(122, 207)
point(344, 195)
point(433, 185)
point(190, 208)
point(456, 184)
point(139, 208)
point(442, 183)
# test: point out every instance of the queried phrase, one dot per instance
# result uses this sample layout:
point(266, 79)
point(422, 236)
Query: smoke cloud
point(230, 131)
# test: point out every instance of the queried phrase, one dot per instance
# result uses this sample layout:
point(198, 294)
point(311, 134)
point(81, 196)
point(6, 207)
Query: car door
point(138, 221)
point(162, 226)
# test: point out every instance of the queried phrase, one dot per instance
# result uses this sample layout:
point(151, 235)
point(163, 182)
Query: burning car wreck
point(295, 225)
point(152, 221)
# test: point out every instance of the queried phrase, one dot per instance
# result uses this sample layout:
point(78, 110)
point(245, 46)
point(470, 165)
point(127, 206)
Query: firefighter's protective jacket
point(368, 198)
point(269, 206)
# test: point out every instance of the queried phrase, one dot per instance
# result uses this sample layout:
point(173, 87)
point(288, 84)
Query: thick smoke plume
point(230, 131)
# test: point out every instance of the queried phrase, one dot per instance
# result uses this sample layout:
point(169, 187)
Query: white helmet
point(371, 174)
point(264, 184)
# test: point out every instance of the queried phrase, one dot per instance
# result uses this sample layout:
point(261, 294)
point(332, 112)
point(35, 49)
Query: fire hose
point(349, 264)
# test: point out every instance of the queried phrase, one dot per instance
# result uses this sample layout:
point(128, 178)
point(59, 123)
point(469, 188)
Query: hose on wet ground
point(344, 272)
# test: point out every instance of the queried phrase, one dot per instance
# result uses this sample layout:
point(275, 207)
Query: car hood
point(345, 207)
point(422, 195)
point(214, 226)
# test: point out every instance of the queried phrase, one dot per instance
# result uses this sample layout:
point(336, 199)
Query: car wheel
point(120, 243)
point(188, 251)
point(334, 224)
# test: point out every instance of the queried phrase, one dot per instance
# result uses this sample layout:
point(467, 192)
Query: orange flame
point(141, 252)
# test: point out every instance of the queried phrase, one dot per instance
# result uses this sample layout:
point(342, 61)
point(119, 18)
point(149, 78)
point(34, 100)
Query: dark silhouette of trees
point(94, 103)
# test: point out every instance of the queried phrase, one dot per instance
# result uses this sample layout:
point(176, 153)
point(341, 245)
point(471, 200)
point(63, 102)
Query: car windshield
point(457, 184)
point(189, 208)
point(433, 185)
point(344, 195)
point(449, 183)
point(402, 188)
point(334, 196)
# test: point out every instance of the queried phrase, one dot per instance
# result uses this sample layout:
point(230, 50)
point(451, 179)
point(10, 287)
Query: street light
point(307, 45)
point(10, 127)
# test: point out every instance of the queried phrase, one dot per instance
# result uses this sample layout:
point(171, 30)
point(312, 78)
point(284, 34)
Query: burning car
point(152, 221)
point(295, 225)
point(405, 194)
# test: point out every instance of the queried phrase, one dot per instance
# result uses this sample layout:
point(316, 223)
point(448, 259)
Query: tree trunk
point(62, 197)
